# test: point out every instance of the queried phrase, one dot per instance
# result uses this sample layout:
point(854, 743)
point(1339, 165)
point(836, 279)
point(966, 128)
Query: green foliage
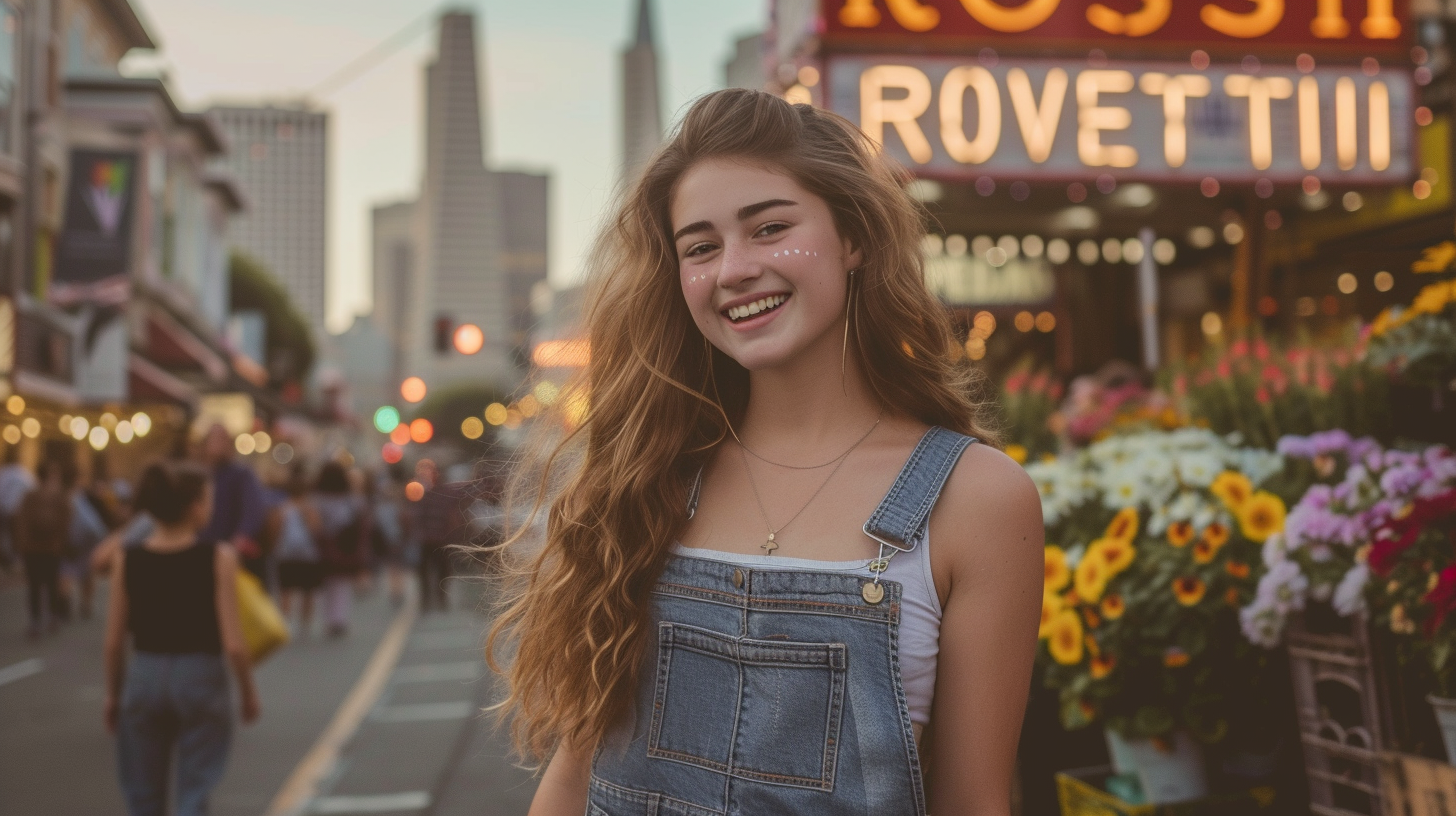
point(288, 342)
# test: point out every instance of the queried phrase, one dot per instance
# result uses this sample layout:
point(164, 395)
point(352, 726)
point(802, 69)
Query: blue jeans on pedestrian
point(173, 705)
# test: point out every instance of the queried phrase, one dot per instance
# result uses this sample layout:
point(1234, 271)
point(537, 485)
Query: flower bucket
point(1120, 751)
point(1171, 770)
point(1446, 718)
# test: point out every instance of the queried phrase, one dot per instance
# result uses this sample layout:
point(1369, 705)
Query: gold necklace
point(771, 544)
point(805, 467)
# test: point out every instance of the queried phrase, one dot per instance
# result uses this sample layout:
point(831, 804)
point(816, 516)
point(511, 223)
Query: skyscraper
point(457, 222)
point(641, 102)
point(279, 155)
point(469, 250)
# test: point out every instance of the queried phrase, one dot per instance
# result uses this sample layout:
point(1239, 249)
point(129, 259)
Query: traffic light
point(444, 329)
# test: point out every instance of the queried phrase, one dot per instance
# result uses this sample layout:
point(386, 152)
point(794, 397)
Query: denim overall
point(775, 691)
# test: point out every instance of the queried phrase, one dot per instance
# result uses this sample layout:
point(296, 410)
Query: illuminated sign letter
point(1024, 17)
point(1038, 122)
point(1259, 92)
point(1345, 123)
point(1139, 23)
point(1175, 91)
point(953, 113)
point(910, 14)
point(875, 111)
point(1092, 119)
point(1309, 123)
point(1379, 126)
point(1256, 23)
point(1329, 22)
point(1379, 22)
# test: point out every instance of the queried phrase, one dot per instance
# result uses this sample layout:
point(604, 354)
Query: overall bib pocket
point(763, 710)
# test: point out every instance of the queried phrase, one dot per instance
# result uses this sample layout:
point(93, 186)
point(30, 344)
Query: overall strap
point(901, 517)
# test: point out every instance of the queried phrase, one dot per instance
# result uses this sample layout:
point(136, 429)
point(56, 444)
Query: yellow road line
point(303, 783)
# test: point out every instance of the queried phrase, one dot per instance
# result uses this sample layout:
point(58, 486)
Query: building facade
point(279, 156)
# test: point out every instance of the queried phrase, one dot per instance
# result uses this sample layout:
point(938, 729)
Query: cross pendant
point(769, 546)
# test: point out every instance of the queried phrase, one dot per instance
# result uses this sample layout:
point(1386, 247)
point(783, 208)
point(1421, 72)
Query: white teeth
point(750, 309)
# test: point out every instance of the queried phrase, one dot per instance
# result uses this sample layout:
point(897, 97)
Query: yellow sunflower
point(1116, 553)
point(1091, 578)
point(1055, 562)
point(1017, 453)
point(1432, 299)
point(1189, 590)
point(1113, 606)
point(1204, 552)
point(1216, 534)
point(1261, 516)
point(1064, 640)
point(1051, 604)
point(1180, 533)
point(1124, 525)
point(1233, 488)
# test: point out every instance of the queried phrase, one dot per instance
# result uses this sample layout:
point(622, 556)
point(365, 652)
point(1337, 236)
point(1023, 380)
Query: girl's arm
point(225, 567)
point(990, 537)
point(562, 791)
point(114, 650)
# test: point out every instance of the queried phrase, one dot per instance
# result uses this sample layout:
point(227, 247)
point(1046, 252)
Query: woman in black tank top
point(177, 598)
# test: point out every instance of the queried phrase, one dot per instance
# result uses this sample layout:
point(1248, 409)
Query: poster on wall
point(93, 251)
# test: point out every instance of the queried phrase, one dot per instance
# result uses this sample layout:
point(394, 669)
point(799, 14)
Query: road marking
point(424, 712)
point(303, 783)
point(21, 670)
point(438, 672)
point(377, 803)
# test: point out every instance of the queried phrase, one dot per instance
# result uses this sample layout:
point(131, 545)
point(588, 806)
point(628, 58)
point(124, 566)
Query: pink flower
point(1262, 395)
point(1223, 369)
point(1239, 348)
point(1261, 349)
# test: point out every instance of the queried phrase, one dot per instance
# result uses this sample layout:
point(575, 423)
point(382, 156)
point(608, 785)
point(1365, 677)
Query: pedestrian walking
point(42, 534)
point(293, 527)
point(440, 525)
point(779, 577)
point(87, 530)
point(238, 510)
point(344, 529)
point(169, 702)
point(15, 482)
point(390, 536)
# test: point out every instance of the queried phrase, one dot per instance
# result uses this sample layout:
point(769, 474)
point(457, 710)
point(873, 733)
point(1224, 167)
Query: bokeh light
point(124, 432)
point(472, 428)
point(98, 437)
point(31, 427)
point(15, 404)
point(414, 491)
point(141, 423)
point(386, 419)
point(400, 435)
point(421, 431)
point(469, 339)
point(11, 435)
point(245, 444)
point(495, 413)
point(391, 453)
point(413, 389)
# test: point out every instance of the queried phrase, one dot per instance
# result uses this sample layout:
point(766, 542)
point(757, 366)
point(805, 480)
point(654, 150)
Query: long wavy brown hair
point(656, 398)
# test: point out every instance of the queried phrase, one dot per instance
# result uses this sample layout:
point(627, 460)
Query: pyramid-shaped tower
point(457, 223)
point(641, 102)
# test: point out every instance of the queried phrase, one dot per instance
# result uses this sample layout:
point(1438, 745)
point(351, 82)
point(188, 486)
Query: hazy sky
point(551, 70)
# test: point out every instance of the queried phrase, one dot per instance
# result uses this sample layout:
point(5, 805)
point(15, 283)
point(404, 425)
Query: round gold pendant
point(873, 593)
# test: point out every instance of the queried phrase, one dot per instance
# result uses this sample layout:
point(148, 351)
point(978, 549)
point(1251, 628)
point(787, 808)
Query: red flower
point(1223, 369)
point(1442, 599)
point(1262, 395)
point(1239, 348)
point(1261, 349)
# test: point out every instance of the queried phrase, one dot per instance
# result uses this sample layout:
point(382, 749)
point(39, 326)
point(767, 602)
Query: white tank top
point(919, 612)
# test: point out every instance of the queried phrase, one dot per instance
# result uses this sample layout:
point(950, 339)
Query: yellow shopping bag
point(263, 626)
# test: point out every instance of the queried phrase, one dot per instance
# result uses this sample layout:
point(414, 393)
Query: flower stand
point(1446, 718)
point(1081, 793)
point(1339, 714)
point(1418, 786)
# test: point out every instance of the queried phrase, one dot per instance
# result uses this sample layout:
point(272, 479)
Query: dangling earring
point(844, 350)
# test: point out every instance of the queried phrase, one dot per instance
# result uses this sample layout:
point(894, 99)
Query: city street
point(396, 704)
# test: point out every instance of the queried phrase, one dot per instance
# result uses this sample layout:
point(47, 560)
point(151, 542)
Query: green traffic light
point(386, 419)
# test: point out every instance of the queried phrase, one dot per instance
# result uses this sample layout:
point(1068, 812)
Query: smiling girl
point(778, 575)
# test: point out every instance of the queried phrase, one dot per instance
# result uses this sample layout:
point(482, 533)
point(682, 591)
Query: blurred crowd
point(316, 538)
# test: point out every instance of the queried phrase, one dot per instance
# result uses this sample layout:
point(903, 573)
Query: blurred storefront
point(1135, 180)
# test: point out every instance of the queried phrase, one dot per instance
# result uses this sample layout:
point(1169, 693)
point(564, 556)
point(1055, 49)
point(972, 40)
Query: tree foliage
point(288, 339)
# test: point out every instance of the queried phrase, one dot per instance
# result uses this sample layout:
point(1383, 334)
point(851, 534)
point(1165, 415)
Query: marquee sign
point(1050, 119)
point(1363, 26)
